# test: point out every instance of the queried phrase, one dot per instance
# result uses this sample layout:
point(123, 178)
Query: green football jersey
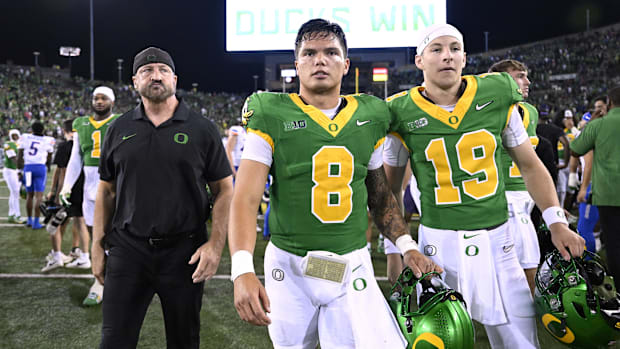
point(318, 196)
point(514, 181)
point(455, 156)
point(10, 148)
point(90, 133)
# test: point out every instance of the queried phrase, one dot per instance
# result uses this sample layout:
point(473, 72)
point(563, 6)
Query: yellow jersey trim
point(400, 138)
point(333, 127)
point(463, 104)
point(264, 136)
point(100, 123)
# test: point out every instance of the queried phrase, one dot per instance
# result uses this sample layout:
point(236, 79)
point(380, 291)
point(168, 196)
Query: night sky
point(194, 33)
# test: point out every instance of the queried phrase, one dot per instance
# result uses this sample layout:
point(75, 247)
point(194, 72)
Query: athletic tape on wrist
point(242, 262)
point(554, 214)
point(405, 243)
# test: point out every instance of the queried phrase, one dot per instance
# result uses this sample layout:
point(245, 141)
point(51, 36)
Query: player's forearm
point(249, 188)
point(104, 210)
point(383, 206)
point(221, 207)
point(539, 185)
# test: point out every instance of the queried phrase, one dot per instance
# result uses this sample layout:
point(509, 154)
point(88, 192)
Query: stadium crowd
point(27, 95)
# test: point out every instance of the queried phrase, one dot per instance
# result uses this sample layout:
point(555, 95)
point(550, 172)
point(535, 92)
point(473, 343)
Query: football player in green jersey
point(520, 203)
point(451, 129)
point(324, 153)
point(11, 177)
point(89, 132)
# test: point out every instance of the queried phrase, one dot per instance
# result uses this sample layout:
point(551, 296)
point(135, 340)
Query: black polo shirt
point(161, 173)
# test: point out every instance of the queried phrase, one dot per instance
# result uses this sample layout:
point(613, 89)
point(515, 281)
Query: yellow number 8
point(332, 173)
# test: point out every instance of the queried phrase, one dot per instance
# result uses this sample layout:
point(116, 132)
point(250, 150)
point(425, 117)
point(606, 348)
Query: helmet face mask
point(437, 318)
point(576, 301)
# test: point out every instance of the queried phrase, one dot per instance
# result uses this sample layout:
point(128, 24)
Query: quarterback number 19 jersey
point(455, 155)
point(91, 133)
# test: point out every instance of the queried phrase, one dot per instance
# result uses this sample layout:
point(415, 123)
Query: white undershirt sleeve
point(394, 152)
point(514, 134)
point(257, 149)
point(376, 159)
point(74, 167)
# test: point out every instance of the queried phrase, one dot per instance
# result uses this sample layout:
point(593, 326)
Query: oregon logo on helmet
point(557, 329)
point(429, 338)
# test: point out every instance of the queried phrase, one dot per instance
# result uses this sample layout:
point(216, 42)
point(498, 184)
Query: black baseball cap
point(152, 55)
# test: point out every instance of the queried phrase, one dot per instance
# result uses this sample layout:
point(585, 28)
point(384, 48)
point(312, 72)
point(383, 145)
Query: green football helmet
point(436, 319)
point(576, 301)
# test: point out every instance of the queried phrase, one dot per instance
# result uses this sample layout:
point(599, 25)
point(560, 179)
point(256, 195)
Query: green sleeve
point(585, 141)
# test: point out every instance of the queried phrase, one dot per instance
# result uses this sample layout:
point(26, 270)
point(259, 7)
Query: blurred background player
point(35, 152)
point(570, 131)
point(520, 202)
point(234, 146)
point(56, 258)
point(11, 177)
point(90, 132)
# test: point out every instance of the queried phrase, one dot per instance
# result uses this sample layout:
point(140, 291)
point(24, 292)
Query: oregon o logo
point(277, 274)
point(472, 250)
point(333, 127)
point(430, 250)
point(181, 138)
point(453, 119)
point(359, 284)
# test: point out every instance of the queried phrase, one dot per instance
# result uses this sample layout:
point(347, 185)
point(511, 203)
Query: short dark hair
point(505, 64)
point(67, 125)
point(320, 28)
point(614, 96)
point(37, 128)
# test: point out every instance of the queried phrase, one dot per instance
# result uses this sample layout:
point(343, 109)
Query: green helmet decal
point(437, 319)
point(576, 300)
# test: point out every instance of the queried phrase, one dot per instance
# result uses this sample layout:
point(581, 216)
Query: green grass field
point(45, 311)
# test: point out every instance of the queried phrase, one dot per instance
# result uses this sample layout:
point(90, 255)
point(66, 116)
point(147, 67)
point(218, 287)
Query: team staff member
point(152, 206)
point(602, 136)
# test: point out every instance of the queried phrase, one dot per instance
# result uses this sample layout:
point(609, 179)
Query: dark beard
point(156, 97)
point(103, 112)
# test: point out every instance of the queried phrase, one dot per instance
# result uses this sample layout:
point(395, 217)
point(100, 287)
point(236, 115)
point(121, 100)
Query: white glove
point(64, 196)
point(573, 181)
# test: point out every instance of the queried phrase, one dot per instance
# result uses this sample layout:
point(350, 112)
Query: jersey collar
point(333, 127)
point(454, 118)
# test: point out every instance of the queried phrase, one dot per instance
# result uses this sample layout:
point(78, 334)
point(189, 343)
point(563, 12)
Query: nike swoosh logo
point(507, 248)
point(480, 107)
point(362, 123)
point(470, 236)
point(86, 123)
point(127, 137)
point(353, 271)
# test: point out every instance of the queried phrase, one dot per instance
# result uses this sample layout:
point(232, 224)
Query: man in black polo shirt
point(152, 206)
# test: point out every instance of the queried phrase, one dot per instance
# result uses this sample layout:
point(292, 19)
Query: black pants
point(135, 272)
point(610, 225)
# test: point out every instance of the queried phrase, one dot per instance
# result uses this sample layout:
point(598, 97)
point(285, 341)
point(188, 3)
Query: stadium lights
point(120, 70)
point(69, 51)
point(36, 58)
